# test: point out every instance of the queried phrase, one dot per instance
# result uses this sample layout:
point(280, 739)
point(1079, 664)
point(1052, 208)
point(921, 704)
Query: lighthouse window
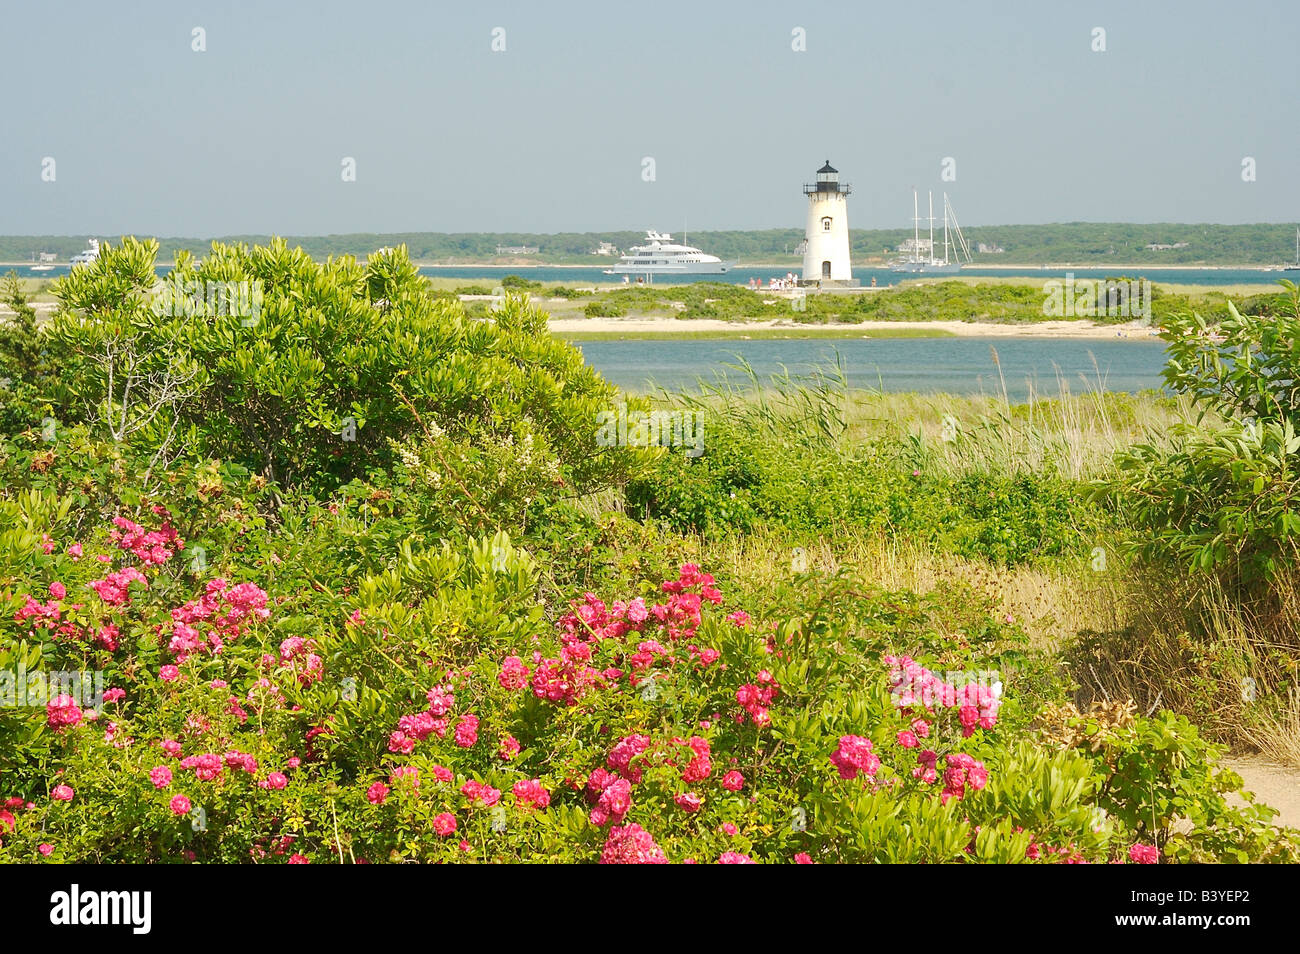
point(826, 224)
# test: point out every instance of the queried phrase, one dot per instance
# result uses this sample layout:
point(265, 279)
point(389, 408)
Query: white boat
point(933, 265)
point(90, 254)
point(662, 256)
point(1294, 267)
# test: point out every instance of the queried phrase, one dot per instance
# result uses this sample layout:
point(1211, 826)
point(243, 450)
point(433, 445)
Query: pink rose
point(853, 756)
point(631, 845)
point(689, 801)
point(734, 858)
point(529, 793)
point(1144, 854)
point(514, 674)
point(467, 731)
point(62, 712)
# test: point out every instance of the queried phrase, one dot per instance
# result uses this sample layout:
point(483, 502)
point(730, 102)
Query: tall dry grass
point(1075, 432)
point(1184, 644)
point(1165, 642)
point(1160, 637)
point(1052, 604)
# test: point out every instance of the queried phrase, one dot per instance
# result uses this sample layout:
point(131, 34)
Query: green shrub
point(1219, 496)
point(604, 309)
point(519, 283)
point(26, 364)
point(335, 368)
point(749, 477)
point(405, 718)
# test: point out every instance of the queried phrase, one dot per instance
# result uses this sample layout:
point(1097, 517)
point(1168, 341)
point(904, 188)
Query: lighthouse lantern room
point(826, 248)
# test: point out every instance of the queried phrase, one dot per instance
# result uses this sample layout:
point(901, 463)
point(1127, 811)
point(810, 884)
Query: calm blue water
point(952, 365)
point(883, 276)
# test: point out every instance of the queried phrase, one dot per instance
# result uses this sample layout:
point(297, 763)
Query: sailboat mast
point(931, 225)
point(916, 229)
point(945, 228)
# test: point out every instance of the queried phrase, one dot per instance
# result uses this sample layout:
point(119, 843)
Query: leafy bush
point(749, 476)
point(604, 309)
point(25, 363)
point(1159, 779)
point(1220, 496)
point(336, 367)
point(433, 713)
point(1012, 519)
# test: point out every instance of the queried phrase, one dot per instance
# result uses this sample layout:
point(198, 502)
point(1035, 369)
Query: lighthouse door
point(826, 269)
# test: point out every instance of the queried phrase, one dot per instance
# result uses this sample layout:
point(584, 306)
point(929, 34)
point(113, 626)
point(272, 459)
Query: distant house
point(605, 248)
point(1156, 247)
point(516, 250)
point(921, 246)
point(985, 248)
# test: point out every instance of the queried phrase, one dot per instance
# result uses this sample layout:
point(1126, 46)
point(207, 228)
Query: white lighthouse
point(826, 239)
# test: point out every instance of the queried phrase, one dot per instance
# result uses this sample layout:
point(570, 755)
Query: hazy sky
point(151, 137)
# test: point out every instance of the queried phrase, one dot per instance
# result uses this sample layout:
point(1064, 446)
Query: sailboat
point(1295, 267)
point(955, 248)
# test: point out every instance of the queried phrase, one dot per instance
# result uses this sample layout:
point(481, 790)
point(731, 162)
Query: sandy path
point(1273, 784)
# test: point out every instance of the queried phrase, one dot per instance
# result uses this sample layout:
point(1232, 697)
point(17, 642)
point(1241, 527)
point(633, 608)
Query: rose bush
point(435, 713)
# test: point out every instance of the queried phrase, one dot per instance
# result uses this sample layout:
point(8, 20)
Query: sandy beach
point(1080, 328)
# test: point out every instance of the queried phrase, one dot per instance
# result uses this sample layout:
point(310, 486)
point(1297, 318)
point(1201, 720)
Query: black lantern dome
point(828, 180)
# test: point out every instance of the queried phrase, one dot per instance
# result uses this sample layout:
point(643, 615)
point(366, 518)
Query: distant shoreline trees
point(1075, 243)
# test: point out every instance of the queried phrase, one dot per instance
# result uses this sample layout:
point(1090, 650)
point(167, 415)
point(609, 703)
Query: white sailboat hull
point(927, 268)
